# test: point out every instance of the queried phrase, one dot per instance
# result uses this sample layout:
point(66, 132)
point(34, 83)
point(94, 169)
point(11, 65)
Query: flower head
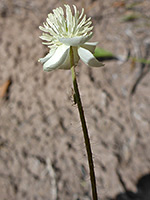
point(65, 30)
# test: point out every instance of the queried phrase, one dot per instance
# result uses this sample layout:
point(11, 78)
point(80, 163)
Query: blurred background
point(42, 153)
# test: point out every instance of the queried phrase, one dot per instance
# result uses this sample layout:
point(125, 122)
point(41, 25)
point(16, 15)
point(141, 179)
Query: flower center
point(59, 25)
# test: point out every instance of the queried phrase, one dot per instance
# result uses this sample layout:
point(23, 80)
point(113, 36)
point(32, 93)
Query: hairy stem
point(84, 128)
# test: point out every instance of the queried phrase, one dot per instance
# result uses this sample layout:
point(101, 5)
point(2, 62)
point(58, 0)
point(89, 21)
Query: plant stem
point(84, 128)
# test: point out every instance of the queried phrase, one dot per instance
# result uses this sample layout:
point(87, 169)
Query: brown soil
point(42, 153)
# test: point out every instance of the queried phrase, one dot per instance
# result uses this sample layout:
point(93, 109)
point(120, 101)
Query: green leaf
point(102, 53)
point(141, 60)
point(130, 17)
point(132, 5)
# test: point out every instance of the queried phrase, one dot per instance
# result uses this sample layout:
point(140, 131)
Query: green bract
point(63, 31)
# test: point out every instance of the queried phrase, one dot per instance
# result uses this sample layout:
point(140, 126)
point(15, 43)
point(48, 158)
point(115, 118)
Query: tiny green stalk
point(84, 128)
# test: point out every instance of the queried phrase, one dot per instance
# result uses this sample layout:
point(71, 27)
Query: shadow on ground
point(143, 190)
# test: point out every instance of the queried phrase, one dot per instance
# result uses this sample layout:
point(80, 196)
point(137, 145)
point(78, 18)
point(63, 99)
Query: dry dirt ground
point(42, 154)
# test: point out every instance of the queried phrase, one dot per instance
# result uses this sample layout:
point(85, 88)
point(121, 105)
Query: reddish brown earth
point(42, 154)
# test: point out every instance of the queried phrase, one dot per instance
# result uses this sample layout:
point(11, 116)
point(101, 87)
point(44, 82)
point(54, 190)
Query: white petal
point(90, 46)
point(75, 41)
point(49, 55)
point(88, 58)
point(43, 60)
point(67, 63)
point(57, 59)
point(92, 43)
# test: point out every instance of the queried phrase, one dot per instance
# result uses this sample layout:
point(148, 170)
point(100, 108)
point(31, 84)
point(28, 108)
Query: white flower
point(63, 31)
